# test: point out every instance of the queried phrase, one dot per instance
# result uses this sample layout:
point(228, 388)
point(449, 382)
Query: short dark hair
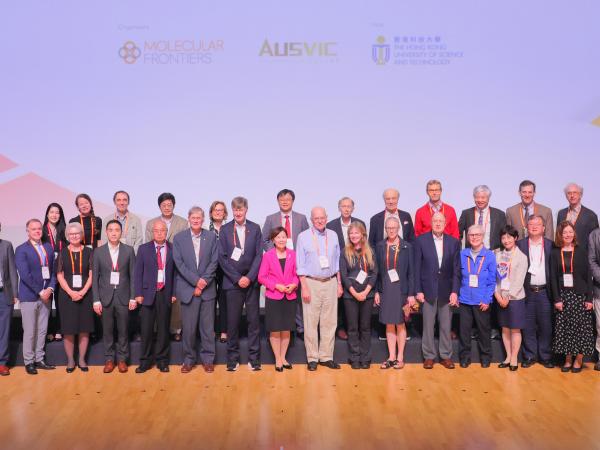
point(558, 239)
point(283, 192)
point(114, 221)
point(275, 232)
point(510, 230)
point(526, 183)
point(120, 192)
point(166, 196)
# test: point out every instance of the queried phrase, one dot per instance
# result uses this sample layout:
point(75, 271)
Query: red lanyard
point(92, 224)
point(115, 266)
point(126, 223)
point(316, 243)
point(387, 254)
point(44, 261)
point(523, 216)
point(469, 265)
point(234, 233)
point(80, 262)
point(562, 259)
point(541, 252)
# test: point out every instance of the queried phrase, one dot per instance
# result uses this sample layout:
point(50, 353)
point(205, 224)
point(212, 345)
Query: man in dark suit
point(154, 272)
point(491, 219)
point(376, 227)
point(8, 297)
point(340, 226)
point(437, 276)
point(584, 219)
point(37, 280)
point(240, 254)
point(195, 252)
point(537, 334)
point(114, 295)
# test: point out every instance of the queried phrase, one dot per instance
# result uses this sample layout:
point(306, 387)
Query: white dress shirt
point(537, 265)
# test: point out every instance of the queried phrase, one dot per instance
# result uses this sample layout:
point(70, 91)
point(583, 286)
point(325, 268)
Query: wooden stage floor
point(351, 409)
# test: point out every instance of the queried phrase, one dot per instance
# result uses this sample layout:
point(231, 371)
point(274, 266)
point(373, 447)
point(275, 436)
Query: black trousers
point(342, 322)
point(358, 322)
point(221, 323)
point(236, 298)
point(159, 314)
point(468, 315)
point(115, 316)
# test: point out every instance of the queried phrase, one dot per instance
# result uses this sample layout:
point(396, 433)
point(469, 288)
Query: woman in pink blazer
point(278, 274)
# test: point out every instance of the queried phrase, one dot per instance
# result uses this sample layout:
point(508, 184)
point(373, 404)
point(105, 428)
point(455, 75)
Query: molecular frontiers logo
point(177, 51)
point(414, 50)
point(305, 50)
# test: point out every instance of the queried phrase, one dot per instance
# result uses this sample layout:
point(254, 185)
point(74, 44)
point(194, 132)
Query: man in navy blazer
point(537, 334)
point(376, 226)
point(35, 265)
point(9, 281)
point(340, 226)
point(584, 219)
point(154, 272)
point(240, 254)
point(437, 269)
point(195, 253)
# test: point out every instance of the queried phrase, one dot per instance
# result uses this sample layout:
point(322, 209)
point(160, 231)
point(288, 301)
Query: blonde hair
point(350, 252)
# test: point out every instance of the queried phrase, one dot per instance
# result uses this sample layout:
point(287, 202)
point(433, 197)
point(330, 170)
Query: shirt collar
point(435, 238)
point(320, 233)
point(195, 235)
point(577, 209)
point(237, 225)
point(343, 224)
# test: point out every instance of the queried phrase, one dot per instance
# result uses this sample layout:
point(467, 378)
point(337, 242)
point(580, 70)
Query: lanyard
point(576, 217)
point(523, 215)
point(562, 260)
point(115, 265)
point(234, 235)
point(512, 253)
point(51, 236)
point(126, 223)
point(387, 254)
point(469, 265)
point(92, 220)
point(487, 218)
point(316, 243)
point(80, 262)
point(541, 252)
point(433, 211)
point(44, 261)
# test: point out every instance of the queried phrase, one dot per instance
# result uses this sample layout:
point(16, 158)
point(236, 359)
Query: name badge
point(568, 280)
point(114, 278)
point(393, 274)
point(505, 284)
point(473, 281)
point(77, 281)
point(55, 255)
point(361, 277)
point(90, 246)
point(45, 272)
point(160, 278)
point(324, 262)
point(236, 254)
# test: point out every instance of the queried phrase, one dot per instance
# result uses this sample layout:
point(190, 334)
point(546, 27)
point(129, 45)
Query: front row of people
point(524, 276)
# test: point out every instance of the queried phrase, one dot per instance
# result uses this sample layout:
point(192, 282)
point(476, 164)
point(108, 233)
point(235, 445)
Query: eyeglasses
point(475, 234)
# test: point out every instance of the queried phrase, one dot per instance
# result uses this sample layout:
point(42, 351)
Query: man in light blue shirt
point(318, 256)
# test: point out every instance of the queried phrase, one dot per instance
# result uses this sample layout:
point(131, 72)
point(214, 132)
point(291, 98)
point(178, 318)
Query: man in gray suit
point(175, 224)
point(518, 215)
point(594, 260)
point(8, 297)
point(195, 254)
point(294, 224)
point(114, 294)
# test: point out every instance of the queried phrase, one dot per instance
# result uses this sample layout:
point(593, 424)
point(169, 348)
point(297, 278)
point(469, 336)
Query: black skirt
point(280, 315)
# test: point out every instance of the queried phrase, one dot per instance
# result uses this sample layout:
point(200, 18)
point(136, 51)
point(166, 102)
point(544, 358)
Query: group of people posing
point(320, 278)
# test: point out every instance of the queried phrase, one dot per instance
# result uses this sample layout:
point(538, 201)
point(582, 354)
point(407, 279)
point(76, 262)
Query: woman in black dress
point(395, 290)
point(92, 225)
point(572, 290)
point(53, 233)
point(74, 274)
point(218, 216)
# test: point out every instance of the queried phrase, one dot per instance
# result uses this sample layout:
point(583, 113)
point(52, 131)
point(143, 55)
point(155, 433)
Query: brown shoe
point(209, 368)
point(4, 371)
point(109, 366)
point(342, 334)
point(428, 364)
point(122, 366)
point(186, 368)
point(447, 363)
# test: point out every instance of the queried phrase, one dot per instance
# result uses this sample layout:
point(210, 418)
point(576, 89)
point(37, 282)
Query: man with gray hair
point(8, 297)
point(583, 219)
point(491, 219)
point(317, 265)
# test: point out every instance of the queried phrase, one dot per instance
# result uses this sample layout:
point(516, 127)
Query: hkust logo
point(325, 49)
point(380, 53)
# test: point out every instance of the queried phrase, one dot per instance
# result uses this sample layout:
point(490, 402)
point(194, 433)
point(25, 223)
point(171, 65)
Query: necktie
point(288, 228)
point(41, 252)
point(526, 215)
point(159, 260)
point(480, 221)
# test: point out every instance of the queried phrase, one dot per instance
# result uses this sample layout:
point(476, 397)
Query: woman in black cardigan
point(571, 283)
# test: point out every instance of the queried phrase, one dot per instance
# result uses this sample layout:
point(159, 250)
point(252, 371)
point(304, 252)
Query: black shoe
point(597, 366)
point(330, 364)
point(287, 366)
point(548, 364)
point(279, 369)
point(232, 366)
point(566, 369)
point(142, 369)
point(527, 363)
point(576, 369)
point(365, 365)
point(300, 335)
point(42, 365)
point(485, 364)
point(83, 368)
point(163, 367)
point(513, 368)
point(355, 365)
point(312, 366)
point(254, 365)
point(464, 364)
point(70, 369)
point(503, 365)
point(30, 369)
